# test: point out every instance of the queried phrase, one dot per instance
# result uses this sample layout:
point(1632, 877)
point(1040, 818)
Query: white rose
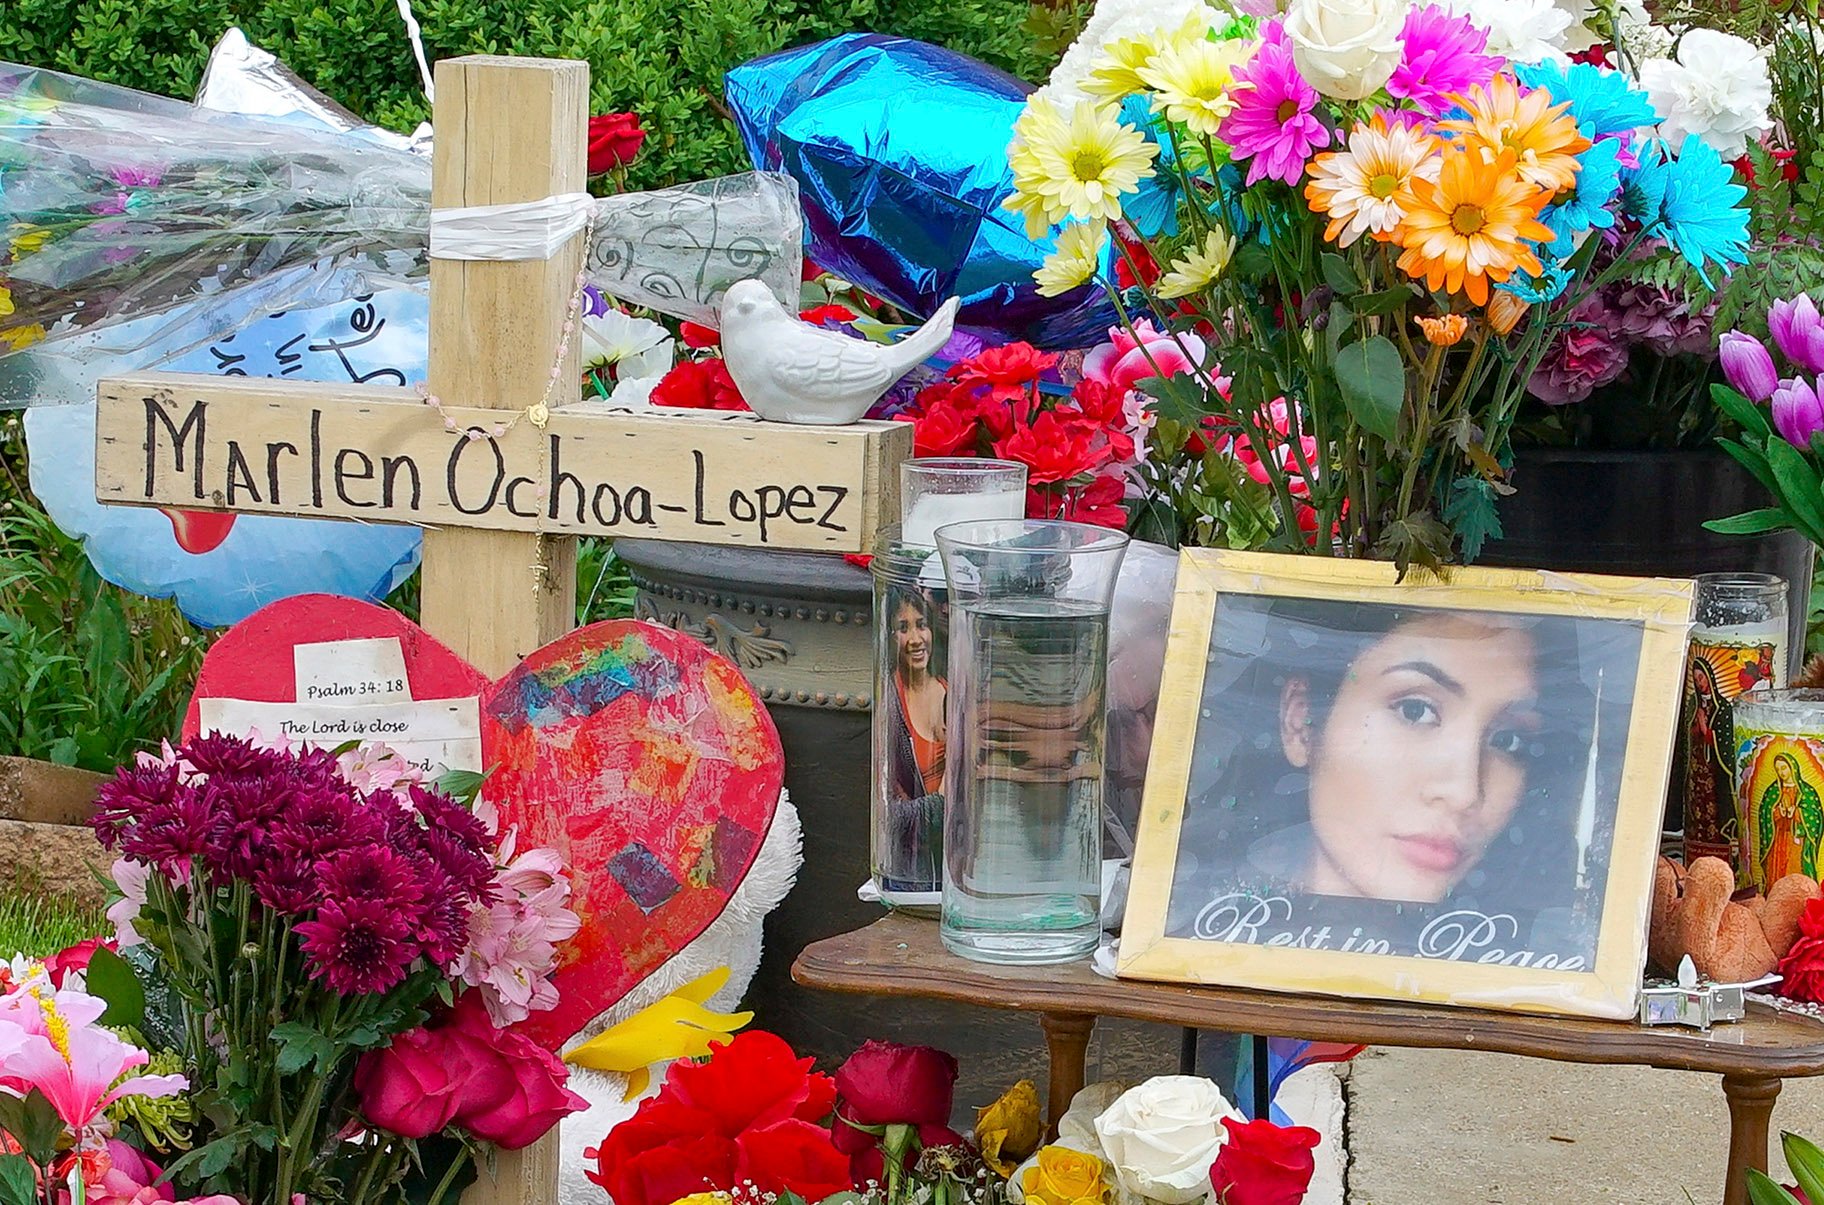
point(1717, 89)
point(1346, 48)
point(1162, 1137)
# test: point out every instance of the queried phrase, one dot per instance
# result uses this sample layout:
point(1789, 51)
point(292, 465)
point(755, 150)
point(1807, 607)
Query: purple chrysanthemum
point(1272, 123)
point(358, 947)
point(168, 834)
point(217, 753)
point(443, 814)
point(371, 872)
point(129, 794)
point(1443, 57)
point(287, 883)
point(326, 822)
point(442, 924)
point(469, 871)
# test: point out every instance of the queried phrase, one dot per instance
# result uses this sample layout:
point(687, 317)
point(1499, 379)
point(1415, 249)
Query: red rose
point(1054, 447)
point(870, 1163)
point(698, 385)
point(791, 1156)
point(1264, 1164)
point(1803, 967)
point(665, 1151)
point(885, 1083)
point(74, 958)
point(753, 1080)
point(614, 140)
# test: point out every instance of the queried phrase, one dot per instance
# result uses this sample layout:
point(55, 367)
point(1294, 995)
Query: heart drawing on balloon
point(646, 760)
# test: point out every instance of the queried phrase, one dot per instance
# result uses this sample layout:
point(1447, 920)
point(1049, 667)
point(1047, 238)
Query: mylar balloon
point(900, 152)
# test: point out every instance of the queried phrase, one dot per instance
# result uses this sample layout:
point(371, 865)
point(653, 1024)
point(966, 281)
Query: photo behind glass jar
point(911, 627)
point(1024, 776)
point(1738, 645)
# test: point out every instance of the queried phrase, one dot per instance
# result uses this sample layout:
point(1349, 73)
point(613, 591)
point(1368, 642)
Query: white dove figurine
point(792, 372)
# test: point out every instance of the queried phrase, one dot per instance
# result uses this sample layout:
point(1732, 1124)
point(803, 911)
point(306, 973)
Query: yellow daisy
point(1077, 259)
point(6, 301)
point(21, 337)
point(1360, 186)
point(1116, 70)
point(1038, 121)
point(1085, 165)
point(1199, 268)
point(1193, 82)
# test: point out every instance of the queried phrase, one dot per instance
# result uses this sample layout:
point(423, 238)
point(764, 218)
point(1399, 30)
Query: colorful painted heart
point(646, 760)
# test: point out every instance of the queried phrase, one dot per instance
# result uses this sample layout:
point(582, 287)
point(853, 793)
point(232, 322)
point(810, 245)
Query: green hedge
point(663, 59)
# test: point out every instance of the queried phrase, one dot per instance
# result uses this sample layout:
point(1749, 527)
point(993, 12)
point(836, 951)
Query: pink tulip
point(1798, 330)
point(1798, 413)
point(1748, 366)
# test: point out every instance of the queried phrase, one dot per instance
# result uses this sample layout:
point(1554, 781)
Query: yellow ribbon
point(676, 1027)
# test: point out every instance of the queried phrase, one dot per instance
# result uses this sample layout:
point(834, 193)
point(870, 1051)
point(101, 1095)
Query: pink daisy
point(1443, 57)
point(1272, 122)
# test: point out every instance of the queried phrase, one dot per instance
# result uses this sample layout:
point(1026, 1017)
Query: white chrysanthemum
point(1525, 31)
point(1717, 88)
point(1117, 20)
point(1643, 38)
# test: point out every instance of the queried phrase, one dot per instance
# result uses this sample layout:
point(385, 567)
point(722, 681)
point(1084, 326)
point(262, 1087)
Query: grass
point(40, 925)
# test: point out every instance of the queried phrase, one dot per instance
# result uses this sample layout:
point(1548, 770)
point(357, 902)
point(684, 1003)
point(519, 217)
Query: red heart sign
point(644, 759)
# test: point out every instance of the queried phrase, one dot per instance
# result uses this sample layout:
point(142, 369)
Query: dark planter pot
point(799, 625)
point(1642, 514)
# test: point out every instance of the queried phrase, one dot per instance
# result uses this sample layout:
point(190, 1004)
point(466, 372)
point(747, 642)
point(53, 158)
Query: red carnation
point(1006, 373)
point(1054, 447)
point(614, 140)
point(698, 336)
point(1134, 255)
point(1802, 969)
point(819, 315)
point(1264, 1164)
point(942, 430)
point(698, 385)
point(1098, 503)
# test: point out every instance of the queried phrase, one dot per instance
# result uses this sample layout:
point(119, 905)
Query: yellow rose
point(1008, 1131)
point(1065, 1177)
point(705, 1198)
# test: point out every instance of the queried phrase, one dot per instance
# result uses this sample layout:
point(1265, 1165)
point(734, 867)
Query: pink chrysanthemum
point(1443, 56)
point(1272, 123)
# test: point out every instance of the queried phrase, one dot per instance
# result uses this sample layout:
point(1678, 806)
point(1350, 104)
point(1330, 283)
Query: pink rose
point(73, 958)
point(498, 1084)
point(1124, 361)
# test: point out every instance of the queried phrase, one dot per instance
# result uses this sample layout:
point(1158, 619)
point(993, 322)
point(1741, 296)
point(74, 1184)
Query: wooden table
point(902, 956)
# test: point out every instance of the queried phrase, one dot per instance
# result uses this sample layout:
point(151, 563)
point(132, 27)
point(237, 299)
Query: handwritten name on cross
point(499, 576)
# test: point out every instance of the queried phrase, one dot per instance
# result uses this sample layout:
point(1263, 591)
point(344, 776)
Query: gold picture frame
point(1618, 814)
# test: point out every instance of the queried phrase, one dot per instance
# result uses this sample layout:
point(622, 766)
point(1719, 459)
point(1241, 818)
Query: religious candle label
point(1779, 780)
point(1723, 664)
point(378, 455)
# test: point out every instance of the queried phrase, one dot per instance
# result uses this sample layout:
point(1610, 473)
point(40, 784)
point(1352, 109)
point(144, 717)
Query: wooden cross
point(500, 514)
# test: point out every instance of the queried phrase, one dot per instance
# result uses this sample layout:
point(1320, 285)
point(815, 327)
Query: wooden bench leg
point(1750, 1112)
point(1067, 1041)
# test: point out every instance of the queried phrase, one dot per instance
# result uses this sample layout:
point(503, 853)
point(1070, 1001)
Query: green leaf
point(1384, 302)
point(1372, 380)
point(211, 1159)
point(1176, 398)
point(1807, 1164)
point(33, 1123)
point(113, 980)
point(1751, 523)
point(461, 785)
point(1798, 487)
point(18, 1183)
point(1472, 513)
point(1747, 415)
point(1750, 458)
point(1763, 1190)
point(300, 1045)
point(1339, 275)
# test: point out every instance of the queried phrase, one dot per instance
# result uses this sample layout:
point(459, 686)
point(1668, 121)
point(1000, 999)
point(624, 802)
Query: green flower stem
point(443, 1185)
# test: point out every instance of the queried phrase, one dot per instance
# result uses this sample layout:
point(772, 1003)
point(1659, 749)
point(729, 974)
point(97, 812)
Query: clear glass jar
point(1023, 810)
point(1738, 645)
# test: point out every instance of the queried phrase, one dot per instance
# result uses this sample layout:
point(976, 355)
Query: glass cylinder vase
point(1023, 809)
point(1738, 645)
point(1779, 784)
point(911, 626)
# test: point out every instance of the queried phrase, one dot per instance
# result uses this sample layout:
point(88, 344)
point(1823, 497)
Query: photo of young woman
point(1436, 760)
point(914, 699)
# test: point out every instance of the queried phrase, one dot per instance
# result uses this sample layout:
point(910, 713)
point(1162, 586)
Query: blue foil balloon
point(900, 153)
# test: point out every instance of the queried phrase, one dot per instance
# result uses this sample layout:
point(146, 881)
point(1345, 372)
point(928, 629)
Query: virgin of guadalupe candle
point(1779, 780)
point(1738, 645)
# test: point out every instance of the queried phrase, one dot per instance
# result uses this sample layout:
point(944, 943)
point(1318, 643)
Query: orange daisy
point(1468, 227)
point(1543, 137)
